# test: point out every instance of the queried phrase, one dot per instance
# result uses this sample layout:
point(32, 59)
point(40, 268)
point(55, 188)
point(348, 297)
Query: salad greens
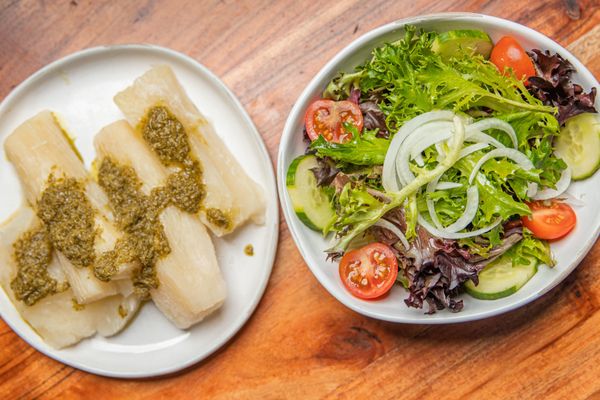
point(358, 212)
point(411, 79)
point(408, 79)
point(362, 149)
point(554, 86)
point(530, 247)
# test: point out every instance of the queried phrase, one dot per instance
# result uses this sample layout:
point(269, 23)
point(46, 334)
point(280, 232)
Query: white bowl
point(568, 251)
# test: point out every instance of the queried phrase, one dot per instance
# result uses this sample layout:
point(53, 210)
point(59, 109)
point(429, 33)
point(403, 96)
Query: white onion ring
point(447, 185)
point(480, 137)
point(441, 152)
point(394, 229)
point(515, 155)
point(472, 149)
point(419, 160)
point(389, 180)
point(456, 235)
point(471, 208)
point(467, 216)
point(417, 142)
point(431, 186)
point(421, 143)
point(403, 171)
point(561, 185)
point(495, 123)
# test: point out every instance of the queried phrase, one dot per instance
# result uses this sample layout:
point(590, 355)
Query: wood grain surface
point(301, 343)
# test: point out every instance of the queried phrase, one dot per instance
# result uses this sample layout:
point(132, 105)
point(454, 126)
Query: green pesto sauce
point(69, 219)
point(106, 265)
point(33, 253)
point(138, 216)
point(185, 187)
point(167, 137)
point(218, 218)
point(249, 250)
point(122, 311)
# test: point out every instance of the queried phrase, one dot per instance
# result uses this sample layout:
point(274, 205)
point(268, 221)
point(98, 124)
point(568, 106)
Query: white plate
point(569, 251)
point(80, 88)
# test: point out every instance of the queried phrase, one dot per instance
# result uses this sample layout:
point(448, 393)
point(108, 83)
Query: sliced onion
point(403, 171)
point(471, 208)
point(456, 235)
point(394, 229)
point(419, 160)
point(495, 123)
point(439, 147)
point(436, 124)
point(465, 219)
point(431, 204)
point(389, 180)
point(561, 185)
point(447, 185)
point(421, 143)
point(515, 155)
point(433, 214)
point(421, 138)
point(477, 136)
point(472, 149)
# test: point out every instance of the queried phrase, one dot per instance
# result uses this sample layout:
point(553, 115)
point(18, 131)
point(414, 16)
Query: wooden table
point(300, 342)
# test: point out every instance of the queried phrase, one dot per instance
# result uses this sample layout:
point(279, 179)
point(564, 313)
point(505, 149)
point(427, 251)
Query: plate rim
point(287, 135)
point(55, 66)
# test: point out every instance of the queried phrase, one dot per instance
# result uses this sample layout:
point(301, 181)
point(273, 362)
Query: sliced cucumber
point(311, 204)
point(448, 43)
point(500, 279)
point(579, 145)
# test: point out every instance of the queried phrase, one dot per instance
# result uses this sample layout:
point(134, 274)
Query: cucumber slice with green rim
point(311, 204)
point(500, 279)
point(446, 44)
point(578, 144)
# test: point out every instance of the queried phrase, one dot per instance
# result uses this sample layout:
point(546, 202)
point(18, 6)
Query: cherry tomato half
point(508, 53)
point(370, 271)
point(326, 117)
point(550, 220)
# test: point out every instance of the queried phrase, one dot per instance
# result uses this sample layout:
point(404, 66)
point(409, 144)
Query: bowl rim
point(326, 70)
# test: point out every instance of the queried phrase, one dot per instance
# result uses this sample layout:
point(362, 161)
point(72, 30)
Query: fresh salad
point(441, 164)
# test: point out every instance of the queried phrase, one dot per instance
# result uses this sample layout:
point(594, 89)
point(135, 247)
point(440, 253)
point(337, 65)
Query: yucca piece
point(230, 191)
point(39, 148)
point(190, 282)
point(57, 318)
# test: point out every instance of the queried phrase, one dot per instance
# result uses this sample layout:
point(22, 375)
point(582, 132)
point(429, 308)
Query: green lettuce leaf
point(355, 202)
point(409, 79)
point(363, 149)
point(339, 87)
point(531, 247)
point(494, 201)
point(535, 132)
point(410, 216)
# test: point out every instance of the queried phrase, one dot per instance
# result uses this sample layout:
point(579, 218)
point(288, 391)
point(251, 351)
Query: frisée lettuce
point(451, 154)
